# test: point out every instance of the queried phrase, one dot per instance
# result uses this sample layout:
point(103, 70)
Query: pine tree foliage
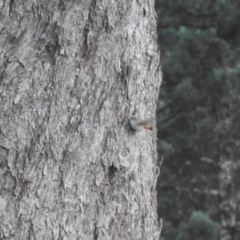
point(199, 227)
point(198, 112)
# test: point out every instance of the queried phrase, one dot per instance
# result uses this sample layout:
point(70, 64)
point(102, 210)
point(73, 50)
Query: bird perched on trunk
point(139, 124)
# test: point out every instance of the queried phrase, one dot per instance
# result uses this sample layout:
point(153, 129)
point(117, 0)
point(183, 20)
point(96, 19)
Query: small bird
point(139, 125)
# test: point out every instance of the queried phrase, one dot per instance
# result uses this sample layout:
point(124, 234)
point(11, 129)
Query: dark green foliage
point(170, 233)
point(199, 227)
point(199, 42)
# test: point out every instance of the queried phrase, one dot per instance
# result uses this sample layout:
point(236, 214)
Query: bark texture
point(227, 166)
point(71, 74)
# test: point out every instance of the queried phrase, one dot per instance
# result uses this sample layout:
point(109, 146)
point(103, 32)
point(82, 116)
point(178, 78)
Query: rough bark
point(227, 190)
point(228, 200)
point(71, 74)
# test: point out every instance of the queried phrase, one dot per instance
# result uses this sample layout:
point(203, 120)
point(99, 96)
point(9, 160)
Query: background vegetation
point(199, 118)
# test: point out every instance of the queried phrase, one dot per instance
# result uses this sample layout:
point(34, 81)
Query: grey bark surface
point(71, 74)
point(227, 166)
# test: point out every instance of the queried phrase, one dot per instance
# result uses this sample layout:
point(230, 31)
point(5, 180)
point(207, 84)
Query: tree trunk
point(72, 73)
point(228, 194)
